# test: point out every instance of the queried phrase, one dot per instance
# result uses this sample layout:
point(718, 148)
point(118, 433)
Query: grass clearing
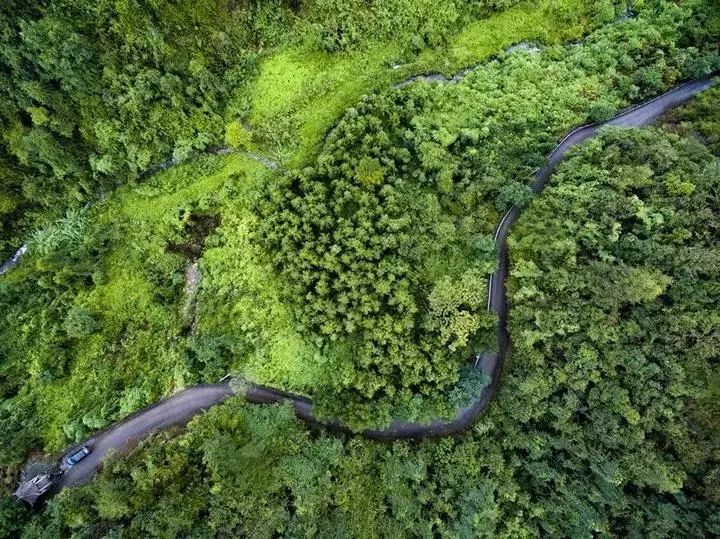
point(238, 296)
point(139, 351)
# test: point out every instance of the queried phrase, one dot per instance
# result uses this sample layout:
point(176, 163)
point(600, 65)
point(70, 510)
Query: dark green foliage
point(385, 255)
point(13, 515)
point(513, 194)
point(601, 112)
point(614, 289)
point(606, 420)
point(87, 85)
point(380, 244)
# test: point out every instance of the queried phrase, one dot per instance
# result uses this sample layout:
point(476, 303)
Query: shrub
point(237, 136)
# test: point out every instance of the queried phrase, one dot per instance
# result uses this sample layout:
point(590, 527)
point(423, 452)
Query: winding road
point(178, 409)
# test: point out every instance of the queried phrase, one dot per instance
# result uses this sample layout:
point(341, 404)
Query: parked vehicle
point(75, 457)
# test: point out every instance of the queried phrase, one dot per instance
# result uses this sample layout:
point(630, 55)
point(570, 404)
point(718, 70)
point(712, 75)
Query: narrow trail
point(181, 407)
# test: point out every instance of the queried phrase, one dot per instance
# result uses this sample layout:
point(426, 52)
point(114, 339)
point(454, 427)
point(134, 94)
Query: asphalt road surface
point(178, 409)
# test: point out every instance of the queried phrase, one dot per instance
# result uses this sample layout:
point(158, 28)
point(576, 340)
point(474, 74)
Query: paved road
point(636, 116)
point(178, 409)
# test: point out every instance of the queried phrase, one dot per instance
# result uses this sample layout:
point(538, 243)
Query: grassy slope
point(300, 93)
point(139, 353)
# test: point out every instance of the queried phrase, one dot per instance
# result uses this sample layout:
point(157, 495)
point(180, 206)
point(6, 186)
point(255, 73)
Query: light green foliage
point(243, 323)
point(237, 136)
point(65, 233)
point(80, 322)
point(301, 91)
point(91, 318)
point(369, 172)
point(361, 277)
point(642, 285)
point(402, 195)
point(455, 307)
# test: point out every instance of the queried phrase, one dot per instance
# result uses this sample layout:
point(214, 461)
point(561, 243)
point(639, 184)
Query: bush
point(237, 136)
point(81, 322)
point(601, 112)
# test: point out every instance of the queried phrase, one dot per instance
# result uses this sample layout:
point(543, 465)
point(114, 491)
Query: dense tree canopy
point(387, 257)
point(360, 279)
point(614, 313)
point(385, 244)
point(606, 422)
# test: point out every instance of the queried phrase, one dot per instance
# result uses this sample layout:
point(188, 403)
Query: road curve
point(180, 408)
point(176, 410)
point(636, 116)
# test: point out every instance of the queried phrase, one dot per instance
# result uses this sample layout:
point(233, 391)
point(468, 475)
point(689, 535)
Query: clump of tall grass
point(65, 233)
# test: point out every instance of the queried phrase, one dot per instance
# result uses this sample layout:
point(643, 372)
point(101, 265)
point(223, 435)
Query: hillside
point(308, 196)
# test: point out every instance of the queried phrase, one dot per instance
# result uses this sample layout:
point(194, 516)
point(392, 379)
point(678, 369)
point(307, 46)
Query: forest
point(303, 194)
